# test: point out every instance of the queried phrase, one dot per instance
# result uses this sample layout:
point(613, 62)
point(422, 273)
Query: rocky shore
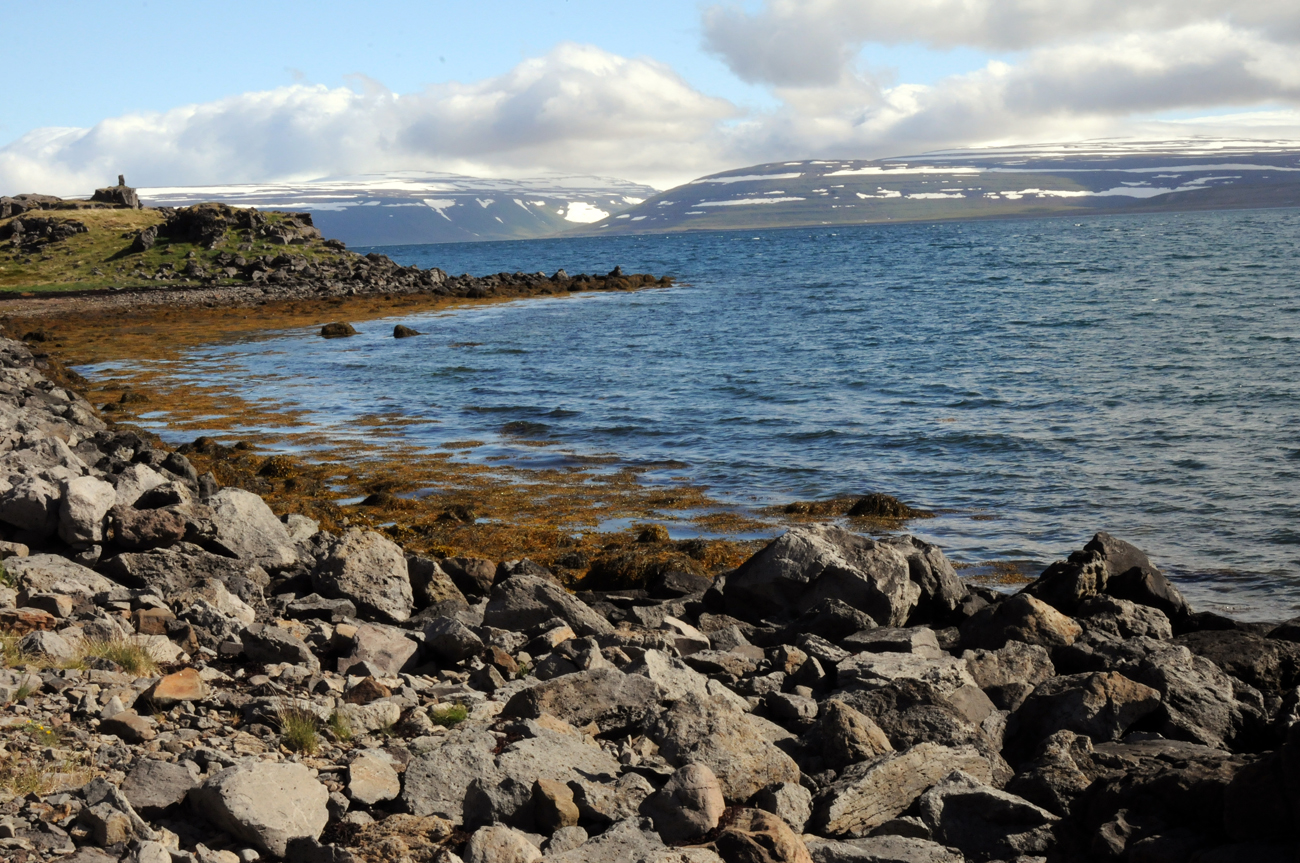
point(215, 254)
point(190, 678)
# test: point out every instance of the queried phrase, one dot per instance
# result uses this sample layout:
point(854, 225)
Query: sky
point(194, 93)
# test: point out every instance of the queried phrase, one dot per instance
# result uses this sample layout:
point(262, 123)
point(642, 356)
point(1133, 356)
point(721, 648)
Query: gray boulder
point(524, 601)
point(372, 779)
point(945, 673)
point(1120, 618)
point(1021, 618)
point(789, 801)
point(942, 591)
point(385, 649)
point(154, 786)
point(805, 566)
point(50, 573)
point(431, 587)
point(83, 510)
point(675, 678)
point(606, 696)
point(436, 783)
point(508, 795)
point(1007, 675)
point(134, 481)
point(31, 505)
point(368, 569)
point(848, 736)
point(868, 794)
point(265, 804)
point(184, 567)
point(449, 640)
point(272, 644)
point(245, 527)
point(712, 732)
point(48, 645)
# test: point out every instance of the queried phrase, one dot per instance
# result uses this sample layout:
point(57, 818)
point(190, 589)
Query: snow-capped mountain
point(423, 207)
point(1051, 179)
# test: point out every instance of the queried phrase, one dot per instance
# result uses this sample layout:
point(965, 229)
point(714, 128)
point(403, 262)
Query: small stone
point(366, 691)
point(151, 621)
point(130, 726)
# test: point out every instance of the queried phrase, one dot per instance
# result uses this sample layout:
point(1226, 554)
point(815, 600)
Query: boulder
point(372, 779)
point(154, 786)
point(375, 716)
point(1120, 618)
point(789, 801)
point(1020, 618)
point(553, 806)
point(942, 591)
point(472, 575)
point(497, 843)
point(49, 645)
point(368, 569)
point(31, 505)
point(755, 836)
point(272, 644)
point(172, 689)
point(804, 566)
point(1270, 665)
point(50, 573)
point(848, 736)
point(870, 793)
point(688, 806)
point(436, 783)
point(882, 849)
point(911, 712)
point(606, 696)
point(133, 481)
point(674, 677)
point(128, 725)
point(431, 587)
point(918, 640)
point(1007, 675)
point(945, 673)
point(246, 528)
point(143, 529)
point(184, 567)
point(1062, 770)
point(449, 640)
point(384, 649)
point(525, 601)
point(984, 822)
point(712, 732)
point(265, 804)
point(1100, 706)
point(1110, 566)
point(1197, 701)
point(632, 840)
point(83, 509)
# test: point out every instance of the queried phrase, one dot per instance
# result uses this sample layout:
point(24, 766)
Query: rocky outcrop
point(193, 680)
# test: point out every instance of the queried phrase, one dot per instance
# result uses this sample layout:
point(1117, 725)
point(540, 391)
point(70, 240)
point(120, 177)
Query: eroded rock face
point(807, 565)
point(368, 569)
point(268, 805)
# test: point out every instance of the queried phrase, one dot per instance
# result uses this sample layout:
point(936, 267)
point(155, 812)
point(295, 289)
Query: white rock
point(86, 501)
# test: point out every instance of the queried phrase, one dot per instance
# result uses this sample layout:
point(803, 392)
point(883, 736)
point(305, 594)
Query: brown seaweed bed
point(427, 502)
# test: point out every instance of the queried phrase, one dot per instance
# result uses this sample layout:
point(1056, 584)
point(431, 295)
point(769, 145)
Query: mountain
point(410, 207)
point(1042, 180)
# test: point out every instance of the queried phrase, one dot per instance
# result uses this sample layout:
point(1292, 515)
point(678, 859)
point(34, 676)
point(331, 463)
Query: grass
point(133, 658)
point(23, 692)
point(6, 577)
point(71, 263)
point(12, 655)
point(298, 730)
point(448, 715)
point(339, 727)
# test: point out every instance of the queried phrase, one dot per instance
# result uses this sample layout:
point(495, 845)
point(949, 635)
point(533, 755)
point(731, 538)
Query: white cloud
point(573, 110)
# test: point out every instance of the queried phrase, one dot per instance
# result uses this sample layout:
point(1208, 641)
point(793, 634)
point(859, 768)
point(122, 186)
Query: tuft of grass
point(6, 577)
point(339, 727)
point(9, 651)
point(23, 692)
point(448, 715)
point(44, 735)
point(133, 658)
point(298, 730)
point(21, 775)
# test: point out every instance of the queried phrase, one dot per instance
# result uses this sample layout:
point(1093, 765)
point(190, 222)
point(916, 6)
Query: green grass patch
point(448, 715)
point(6, 577)
point(133, 658)
point(298, 730)
point(339, 727)
point(11, 654)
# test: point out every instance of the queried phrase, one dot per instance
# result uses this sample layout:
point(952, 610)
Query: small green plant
point(133, 658)
point(298, 730)
point(13, 655)
point(523, 671)
point(23, 692)
point(448, 715)
point(339, 727)
point(6, 577)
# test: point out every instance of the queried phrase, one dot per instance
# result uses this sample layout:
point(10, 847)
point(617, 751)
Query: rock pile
point(189, 678)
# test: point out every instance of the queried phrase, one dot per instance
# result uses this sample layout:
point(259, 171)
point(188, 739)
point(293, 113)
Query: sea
point(1031, 381)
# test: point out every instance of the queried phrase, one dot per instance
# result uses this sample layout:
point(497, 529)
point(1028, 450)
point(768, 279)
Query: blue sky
point(186, 92)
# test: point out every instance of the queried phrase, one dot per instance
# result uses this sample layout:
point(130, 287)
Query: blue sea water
point(1035, 380)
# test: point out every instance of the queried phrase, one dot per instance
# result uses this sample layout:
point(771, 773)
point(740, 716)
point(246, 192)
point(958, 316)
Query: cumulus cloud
point(1087, 68)
point(578, 109)
point(804, 43)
